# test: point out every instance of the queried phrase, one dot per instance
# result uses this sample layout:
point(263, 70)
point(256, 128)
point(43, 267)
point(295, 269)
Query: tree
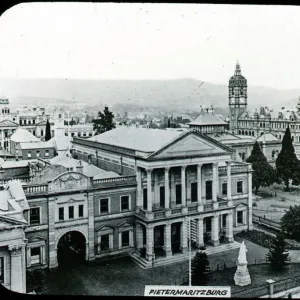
point(104, 122)
point(290, 223)
point(200, 269)
point(287, 164)
point(169, 123)
point(264, 174)
point(278, 254)
point(48, 131)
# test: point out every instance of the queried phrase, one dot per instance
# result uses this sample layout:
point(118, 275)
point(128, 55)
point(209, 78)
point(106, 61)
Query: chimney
point(79, 167)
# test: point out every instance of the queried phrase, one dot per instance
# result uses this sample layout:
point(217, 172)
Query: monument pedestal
point(242, 276)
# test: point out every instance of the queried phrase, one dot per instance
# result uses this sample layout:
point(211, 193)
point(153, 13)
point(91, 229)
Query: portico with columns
point(170, 189)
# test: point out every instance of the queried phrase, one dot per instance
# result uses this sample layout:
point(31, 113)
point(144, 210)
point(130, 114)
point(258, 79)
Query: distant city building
point(262, 121)
point(32, 119)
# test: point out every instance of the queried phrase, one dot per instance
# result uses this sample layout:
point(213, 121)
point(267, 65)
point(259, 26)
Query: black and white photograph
point(150, 149)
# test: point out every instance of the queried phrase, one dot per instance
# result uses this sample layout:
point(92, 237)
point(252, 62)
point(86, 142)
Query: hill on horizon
point(179, 93)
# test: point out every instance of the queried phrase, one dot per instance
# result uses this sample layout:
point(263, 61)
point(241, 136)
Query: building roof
point(207, 117)
point(67, 161)
point(22, 135)
point(140, 139)
point(268, 137)
point(36, 145)
point(9, 164)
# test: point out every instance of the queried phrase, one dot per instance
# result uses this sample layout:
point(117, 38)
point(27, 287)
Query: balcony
point(36, 189)
point(161, 213)
point(116, 181)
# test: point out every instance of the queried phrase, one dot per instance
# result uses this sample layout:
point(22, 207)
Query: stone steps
point(143, 263)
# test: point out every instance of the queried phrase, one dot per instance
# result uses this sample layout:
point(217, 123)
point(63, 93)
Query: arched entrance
point(71, 249)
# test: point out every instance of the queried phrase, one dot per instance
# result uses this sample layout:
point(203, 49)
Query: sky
point(152, 41)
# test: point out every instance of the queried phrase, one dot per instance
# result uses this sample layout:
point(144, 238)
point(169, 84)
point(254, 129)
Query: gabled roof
point(8, 123)
point(267, 137)
point(207, 118)
point(22, 135)
point(139, 139)
point(192, 143)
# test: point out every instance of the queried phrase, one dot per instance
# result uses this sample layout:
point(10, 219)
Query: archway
point(71, 249)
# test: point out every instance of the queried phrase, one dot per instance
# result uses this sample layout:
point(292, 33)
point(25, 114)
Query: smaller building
point(13, 204)
point(209, 122)
point(24, 145)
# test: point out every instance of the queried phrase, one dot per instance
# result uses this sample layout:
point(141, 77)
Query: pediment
point(8, 123)
point(71, 200)
point(104, 228)
point(6, 222)
point(125, 224)
point(69, 181)
point(191, 144)
point(241, 205)
point(36, 239)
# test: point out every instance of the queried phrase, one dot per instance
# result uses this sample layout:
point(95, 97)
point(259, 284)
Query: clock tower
point(237, 95)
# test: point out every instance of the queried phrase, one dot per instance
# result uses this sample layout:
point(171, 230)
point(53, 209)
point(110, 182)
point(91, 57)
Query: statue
point(241, 276)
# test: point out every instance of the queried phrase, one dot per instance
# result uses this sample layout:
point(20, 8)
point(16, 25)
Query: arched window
point(243, 132)
point(261, 133)
point(246, 132)
point(260, 124)
point(252, 133)
point(273, 154)
point(264, 125)
point(240, 132)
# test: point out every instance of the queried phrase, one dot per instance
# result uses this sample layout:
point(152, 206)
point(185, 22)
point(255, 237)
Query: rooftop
point(36, 145)
point(22, 135)
point(268, 137)
point(140, 139)
point(207, 117)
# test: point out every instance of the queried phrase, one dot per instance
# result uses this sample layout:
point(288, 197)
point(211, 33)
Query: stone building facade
point(264, 120)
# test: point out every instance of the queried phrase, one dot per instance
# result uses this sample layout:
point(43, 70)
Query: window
point(61, 214)
point(42, 132)
point(35, 216)
point(224, 188)
point(240, 217)
point(25, 122)
point(124, 203)
point(104, 244)
point(194, 192)
point(145, 199)
point(5, 134)
point(239, 187)
point(46, 153)
point(71, 212)
point(29, 154)
point(20, 121)
point(224, 220)
point(35, 255)
point(37, 153)
point(1, 269)
point(104, 206)
point(72, 134)
point(80, 211)
point(90, 134)
point(178, 194)
point(125, 238)
point(33, 132)
point(208, 190)
point(29, 122)
point(33, 121)
point(79, 134)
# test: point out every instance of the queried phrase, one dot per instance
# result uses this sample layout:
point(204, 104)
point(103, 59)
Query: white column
point(149, 190)
point(86, 251)
point(183, 237)
point(167, 241)
point(2, 139)
point(28, 253)
point(215, 230)
point(200, 240)
point(229, 227)
point(183, 186)
point(16, 283)
point(150, 244)
point(199, 184)
point(215, 183)
point(139, 187)
point(229, 196)
point(167, 188)
point(139, 236)
point(250, 225)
